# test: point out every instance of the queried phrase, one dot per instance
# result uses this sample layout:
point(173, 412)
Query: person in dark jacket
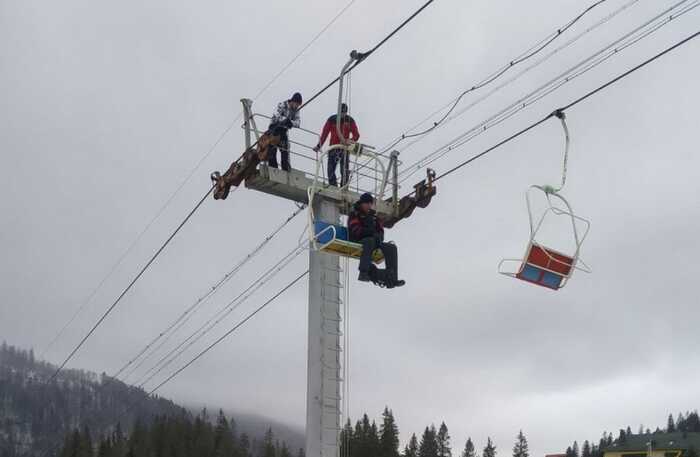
point(285, 117)
point(348, 128)
point(366, 228)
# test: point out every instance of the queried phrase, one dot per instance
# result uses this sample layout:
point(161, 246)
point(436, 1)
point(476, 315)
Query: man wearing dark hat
point(349, 131)
point(366, 228)
point(286, 116)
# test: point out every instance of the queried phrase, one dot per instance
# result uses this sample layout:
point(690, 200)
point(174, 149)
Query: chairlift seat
point(545, 267)
point(333, 238)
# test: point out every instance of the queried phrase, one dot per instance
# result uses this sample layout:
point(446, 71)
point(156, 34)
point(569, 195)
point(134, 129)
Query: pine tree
point(443, 442)
point(489, 449)
point(269, 444)
point(622, 437)
point(428, 443)
point(680, 420)
point(469, 450)
point(223, 439)
point(628, 432)
point(85, 446)
point(284, 450)
point(411, 449)
point(346, 439)
point(138, 441)
point(586, 449)
point(671, 424)
point(105, 448)
point(692, 422)
point(245, 445)
point(574, 449)
point(373, 439)
point(388, 435)
point(520, 448)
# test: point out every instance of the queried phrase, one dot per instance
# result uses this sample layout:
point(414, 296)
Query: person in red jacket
point(366, 228)
point(348, 127)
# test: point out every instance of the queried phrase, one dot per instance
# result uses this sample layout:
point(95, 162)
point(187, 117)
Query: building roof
point(678, 440)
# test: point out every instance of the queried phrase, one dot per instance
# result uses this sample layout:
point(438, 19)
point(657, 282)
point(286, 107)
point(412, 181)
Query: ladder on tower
point(333, 289)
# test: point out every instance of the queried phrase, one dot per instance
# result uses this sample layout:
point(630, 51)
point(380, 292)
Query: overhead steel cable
point(521, 73)
point(189, 312)
point(229, 332)
point(567, 107)
point(191, 173)
point(660, 20)
point(219, 340)
point(218, 316)
point(528, 54)
point(131, 284)
point(365, 55)
point(304, 49)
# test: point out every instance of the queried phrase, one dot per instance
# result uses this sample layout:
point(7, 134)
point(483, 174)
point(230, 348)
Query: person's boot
point(364, 277)
point(286, 166)
point(221, 189)
point(394, 279)
point(379, 278)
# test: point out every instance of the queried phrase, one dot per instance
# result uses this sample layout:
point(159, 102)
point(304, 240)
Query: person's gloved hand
point(288, 124)
point(369, 224)
point(317, 148)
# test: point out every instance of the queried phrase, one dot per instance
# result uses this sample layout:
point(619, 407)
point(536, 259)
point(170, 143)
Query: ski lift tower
point(327, 243)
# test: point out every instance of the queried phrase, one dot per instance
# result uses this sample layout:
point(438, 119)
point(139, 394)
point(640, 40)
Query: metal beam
point(294, 185)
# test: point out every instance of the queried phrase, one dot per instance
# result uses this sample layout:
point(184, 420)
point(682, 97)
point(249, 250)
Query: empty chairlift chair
point(542, 265)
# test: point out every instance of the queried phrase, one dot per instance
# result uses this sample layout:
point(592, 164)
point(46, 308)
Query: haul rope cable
point(369, 53)
point(565, 108)
point(221, 314)
point(220, 339)
point(133, 281)
point(549, 87)
point(225, 335)
point(528, 54)
point(188, 177)
point(188, 313)
point(364, 56)
point(542, 60)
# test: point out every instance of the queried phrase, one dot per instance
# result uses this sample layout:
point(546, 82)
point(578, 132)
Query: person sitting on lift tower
point(286, 116)
point(348, 127)
point(366, 228)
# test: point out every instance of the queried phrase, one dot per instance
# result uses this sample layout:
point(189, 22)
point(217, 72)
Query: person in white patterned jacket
point(286, 116)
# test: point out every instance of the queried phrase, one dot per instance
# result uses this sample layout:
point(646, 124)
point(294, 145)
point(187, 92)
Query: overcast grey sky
point(106, 106)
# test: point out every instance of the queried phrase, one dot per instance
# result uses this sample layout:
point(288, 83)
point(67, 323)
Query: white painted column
point(324, 346)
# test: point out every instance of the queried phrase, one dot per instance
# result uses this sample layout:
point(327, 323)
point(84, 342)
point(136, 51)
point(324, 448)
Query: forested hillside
point(37, 416)
point(201, 436)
